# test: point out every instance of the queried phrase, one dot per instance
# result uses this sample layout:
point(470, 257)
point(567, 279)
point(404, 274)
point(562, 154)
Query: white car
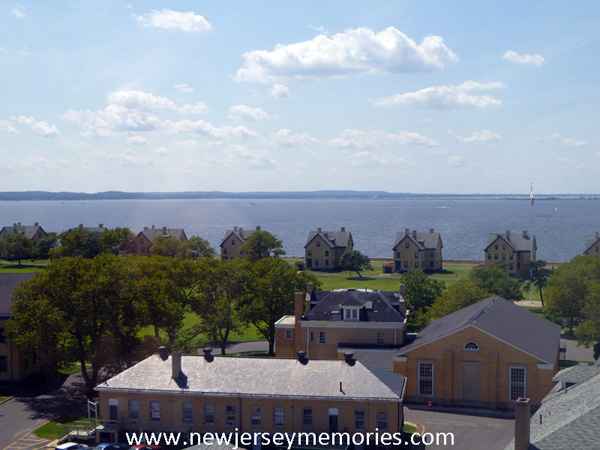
point(72, 446)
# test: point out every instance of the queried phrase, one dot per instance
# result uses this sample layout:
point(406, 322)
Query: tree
point(588, 332)
point(77, 242)
point(197, 248)
point(456, 297)
point(45, 246)
point(496, 280)
point(166, 246)
point(420, 292)
point(271, 294)
point(534, 272)
point(118, 241)
point(222, 290)
point(355, 261)
point(262, 244)
point(16, 247)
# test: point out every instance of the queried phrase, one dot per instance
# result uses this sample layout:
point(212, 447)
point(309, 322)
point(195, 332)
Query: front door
point(471, 382)
point(333, 420)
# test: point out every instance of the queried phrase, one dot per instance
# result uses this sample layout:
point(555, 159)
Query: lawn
point(15, 268)
point(57, 428)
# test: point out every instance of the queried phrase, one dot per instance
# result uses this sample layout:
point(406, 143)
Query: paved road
point(471, 428)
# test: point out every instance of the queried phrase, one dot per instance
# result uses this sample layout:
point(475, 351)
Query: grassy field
point(9, 267)
point(56, 428)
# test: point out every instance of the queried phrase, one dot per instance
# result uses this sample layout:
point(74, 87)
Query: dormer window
point(471, 346)
point(407, 245)
point(318, 243)
point(351, 314)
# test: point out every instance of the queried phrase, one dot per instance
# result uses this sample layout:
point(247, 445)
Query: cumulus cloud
point(146, 101)
point(514, 57)
point(446, 97)
point(42, 128)
point(128, 158)
point(455, 161)
point(24, 51)
point(357, 139)
point(112, 120)
point(208, 130)
point(559, 139)
point(183, 88)
point(279, 91)
point(285, 138)
point(247, 113)
point(353, 52)
point(259, 159)
point(186, 22)
point(7, 127)
point(137, 140)
point(483, 136)
point(367, 158)
point(162, 151)
point(18, 12)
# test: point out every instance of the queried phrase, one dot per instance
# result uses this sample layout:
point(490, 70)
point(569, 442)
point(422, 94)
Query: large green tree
point(117, 241)
point(420, 293)
point(456, 297)
point(44, 246)
point(355, 261)
point(196, 248)
point(262, 244)
point(271, 294)
point(535, 273)
point(77, 242)
point(16, 247)
point(496, 280)
point(166, 246)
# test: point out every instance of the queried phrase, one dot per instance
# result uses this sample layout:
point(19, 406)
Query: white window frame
point(187, 412)
point(154, 411)
point(380, 338)
point(322, 337)
point(425, 394)
point(278, 413)
point(209, 410)
point(511, 382)
point(308, 418)
point(358, 420)
point(131, 407)
point(383, 421)
point(228, 421)
point(255, 416)
point(469, 346)
point(288, 335)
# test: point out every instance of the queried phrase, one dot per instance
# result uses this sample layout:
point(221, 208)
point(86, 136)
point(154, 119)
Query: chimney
point(258, 228)
point(318, 230)
point(36, 224)
point(401, 289)
point(153, 227)
point(164, 230)
point(176, 364)
point(101, 225)
point(309, 288)
point(241, 231)
point(415, 234)
point(234, 228)
point(80, 227)
point(19, 223)
point(14, 225)
point(522, 423)
point(524, 233)
point(406, 231)
point(302, 357)
point(508, 235)
point(145, 228)
point(208, 354)
point(349, 358)
point(431, 230)
point(298, 304)
point(343, 229)
point(163, 352)
point(597, 235)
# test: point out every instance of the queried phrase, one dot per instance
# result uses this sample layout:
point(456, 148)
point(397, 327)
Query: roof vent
point(349, 358)
point(302, 358)
point(163, 352)
point(208, 356)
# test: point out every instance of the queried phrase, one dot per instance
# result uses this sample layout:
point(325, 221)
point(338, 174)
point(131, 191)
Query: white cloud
point(483, 136)
point(3, 50)
point(259, 159)
point(446, 97)
point(7, 127)
point(108, 122)
point(367, 158)
point(183, 88)
point(137, 140)
point(247, 113)
point(162, 151)
point(357, 139)
point(208, 130)
point(285, 138)
point(186, 22)
point(353, 52)
point(279, 91)
point(24, 51)
point(559, 139)
point(41, 128)
point(511, 56)
point(146, 101)
point(128, 158)
point(18, 11)
point(456, 161)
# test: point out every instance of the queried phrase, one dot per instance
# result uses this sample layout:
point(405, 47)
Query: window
point(496, 247)
point(255, 416)
point(511, 256)
point(416, 255)
point(322, 337)
point(241, 252)
point(2, 336)
point(416, 264)
point(350, 314)
point(230, 415)
point(316, 262)
point(503, 246)
point(489, 256)
point(310, 253)
point(209, 414)
point(430, 263)
point(398, 255)
point(471, 346)
point(326, 262)
point(425, 378)
point(307, 418)
point(517, 382)
point(155, 411)
point(431, 254)
point(312, 336)
point(407, 245)
point(318, 243)
point(134, 410)
point(224, 251)
point(233, 242)
point(495, 255)
point(188, 412)
point(288, 334)
point(359, 420)
point(405, 263)
point(503, 257)
point(326, 252)
point(278, 417)
point(382, 419)
point(380, 339)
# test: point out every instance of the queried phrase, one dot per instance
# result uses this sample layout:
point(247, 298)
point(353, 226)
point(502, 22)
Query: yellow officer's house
point(145, 238)
point(516, 250)
point(233, 240)
point(414, 250)
point(592, 246)
point(324, 249)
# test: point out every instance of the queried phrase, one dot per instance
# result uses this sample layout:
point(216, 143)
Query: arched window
point(471, 346)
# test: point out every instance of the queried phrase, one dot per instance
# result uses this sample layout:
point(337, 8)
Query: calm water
point(560, 226)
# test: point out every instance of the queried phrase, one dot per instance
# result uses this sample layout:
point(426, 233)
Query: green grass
point(2, 399)
point(57, 427)
point(15, 268)
point(409, 429)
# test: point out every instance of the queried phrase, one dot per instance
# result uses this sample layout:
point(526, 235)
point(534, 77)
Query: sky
point(439, 97)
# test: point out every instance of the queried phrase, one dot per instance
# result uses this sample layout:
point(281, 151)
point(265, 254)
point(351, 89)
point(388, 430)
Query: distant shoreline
point(289, 195)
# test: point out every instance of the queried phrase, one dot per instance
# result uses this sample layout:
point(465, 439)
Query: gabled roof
point(423, 241)
point(98, 229)
point(334, 239)
point(28, 231)
point(503, 320)
point(153, 233)
point(570, 418)
point(241, 235)
point(378, 306)
point(517, 242)
point(591, 241)
point(223, 376)
point(8, 283)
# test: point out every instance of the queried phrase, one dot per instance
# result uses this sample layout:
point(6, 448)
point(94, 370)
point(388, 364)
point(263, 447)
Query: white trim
point(400, 358)
point(432, 362)
point(516, 366)
point(544, 366)
point(471, 349)
point(350, 324)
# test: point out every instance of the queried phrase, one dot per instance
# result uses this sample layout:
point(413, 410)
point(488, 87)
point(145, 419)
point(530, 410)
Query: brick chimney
point(241, 231)
point(145, 228)
point(508, 235)
point(153, 227)
point(164, 230)
point(522, 423)
point(406, 231)
point(401, 289)
point(234, 228)
point(80, 227)
point(597, 235)
point(176, 364)
point(524, 233)
point(101, 225)
point(36, 224)
point(431, 230)
point(19, 223)
point(298, 305)
point(318, 230)
point(343, 229)
point(414, 234)
point(258, 228)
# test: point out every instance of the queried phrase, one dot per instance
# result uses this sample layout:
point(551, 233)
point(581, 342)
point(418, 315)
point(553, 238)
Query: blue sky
point(419, 96)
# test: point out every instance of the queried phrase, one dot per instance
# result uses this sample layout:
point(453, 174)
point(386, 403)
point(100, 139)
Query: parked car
point(72, 446)
point(108, 446)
